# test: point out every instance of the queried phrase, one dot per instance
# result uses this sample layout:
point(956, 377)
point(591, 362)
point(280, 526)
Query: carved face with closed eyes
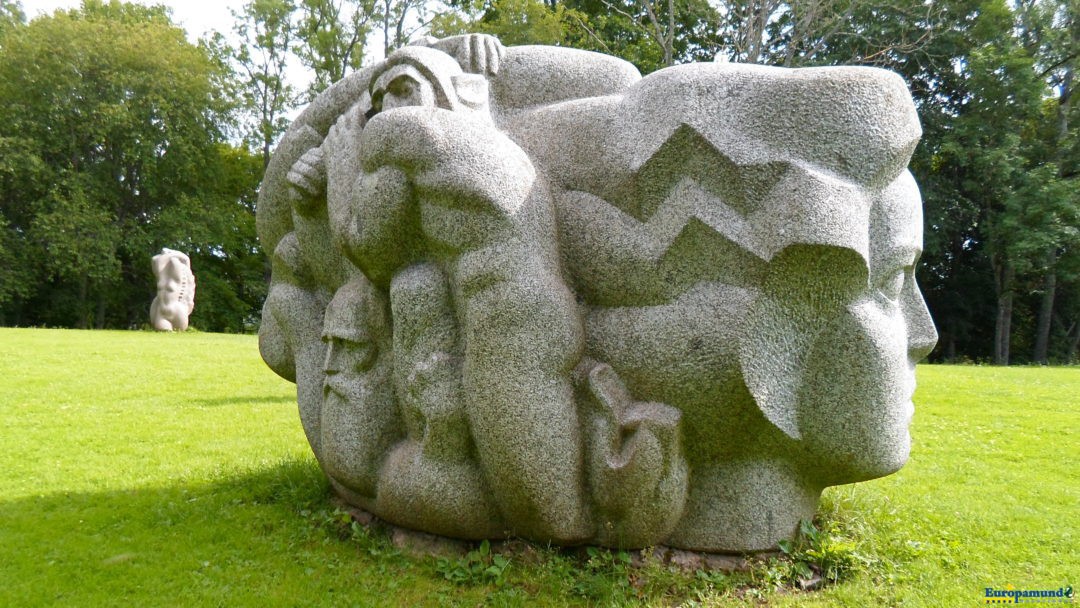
point(855, 402)
point(354, 338)
point(833, 338)
point(402, 86)
point(424, 77)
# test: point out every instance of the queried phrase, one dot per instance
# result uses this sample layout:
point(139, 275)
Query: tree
point(996, 196)
point(1005, 103)
point(651, 34)
point(515, 22)
point(394, 15)
point(1052, 29)
point(222, 242)
point(11, 16)
point(812, 32)
point(24, 178)
point(110, 122)
point(266, 30)
point(330, 38)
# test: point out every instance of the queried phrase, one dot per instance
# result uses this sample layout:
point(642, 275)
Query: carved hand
point(475, 53)
point(307, 179)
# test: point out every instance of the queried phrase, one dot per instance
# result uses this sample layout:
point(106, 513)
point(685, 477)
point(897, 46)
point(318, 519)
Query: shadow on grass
point(248, 400)
point(195, 542)
point(271, 537)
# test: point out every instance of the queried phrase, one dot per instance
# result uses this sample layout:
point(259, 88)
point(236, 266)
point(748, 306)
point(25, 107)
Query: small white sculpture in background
point(175, 291)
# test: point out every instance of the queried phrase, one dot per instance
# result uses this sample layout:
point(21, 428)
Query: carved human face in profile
point(855, 404)
point(354, 342)
point(833, 339)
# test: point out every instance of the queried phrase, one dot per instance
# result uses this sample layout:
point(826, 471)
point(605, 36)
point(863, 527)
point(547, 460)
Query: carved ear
point(472, 90)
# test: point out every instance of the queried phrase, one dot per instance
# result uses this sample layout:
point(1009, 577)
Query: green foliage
point(330, 38)
point(478, 567)
point(649, 34)
point(821, 552)
point(604, 577)
point(110, 148)
point(527, 22)
point(993, 83)
point(515, 22)
point(11, 16)
point(266, 30)
point(994, 208)
point(112, 129)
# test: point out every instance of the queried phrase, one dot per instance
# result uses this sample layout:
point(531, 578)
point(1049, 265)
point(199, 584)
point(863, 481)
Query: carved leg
point(431, 480)
point(522, 337)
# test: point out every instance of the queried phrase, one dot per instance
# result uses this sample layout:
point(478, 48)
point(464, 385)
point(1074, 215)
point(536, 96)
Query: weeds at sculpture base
point(479, 566)
point(820, 556)
point(170, 469)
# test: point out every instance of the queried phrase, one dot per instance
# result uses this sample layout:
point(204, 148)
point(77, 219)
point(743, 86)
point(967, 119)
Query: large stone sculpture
point(524, 291)
point(175, 299)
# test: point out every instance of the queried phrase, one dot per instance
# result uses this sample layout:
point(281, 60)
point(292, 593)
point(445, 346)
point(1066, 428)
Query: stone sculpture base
point(423, 544)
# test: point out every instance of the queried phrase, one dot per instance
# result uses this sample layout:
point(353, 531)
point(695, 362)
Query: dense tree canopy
point(114, 138)
point(110, 127)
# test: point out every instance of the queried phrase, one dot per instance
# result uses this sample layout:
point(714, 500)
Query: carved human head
point(355, 329)
point(836, 332)
point(421, 76)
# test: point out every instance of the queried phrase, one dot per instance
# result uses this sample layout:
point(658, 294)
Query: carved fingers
point(346, 130)
point(475, 53)
point(487, 54)
point(307, 179)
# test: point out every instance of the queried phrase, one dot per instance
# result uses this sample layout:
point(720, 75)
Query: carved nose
point(921, 333)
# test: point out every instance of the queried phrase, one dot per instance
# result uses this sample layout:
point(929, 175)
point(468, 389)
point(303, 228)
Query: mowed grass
point(170, 470)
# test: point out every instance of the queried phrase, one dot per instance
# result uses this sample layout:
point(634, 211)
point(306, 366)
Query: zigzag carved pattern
point(695, 201)
point(688, 154)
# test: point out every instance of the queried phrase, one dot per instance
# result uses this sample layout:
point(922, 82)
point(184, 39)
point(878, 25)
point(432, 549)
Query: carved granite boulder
point(175, 299)
point(524, 291)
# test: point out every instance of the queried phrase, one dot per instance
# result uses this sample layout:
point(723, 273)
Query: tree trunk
point(669, 38)
point(17, 312)
point(399, 29)
point(1074, 344)
point(1042, 338)
point(80, 320)
point(243, 313)
point(1003, 324)
point(386, 29)
point(99, 320)
point(1046, 311)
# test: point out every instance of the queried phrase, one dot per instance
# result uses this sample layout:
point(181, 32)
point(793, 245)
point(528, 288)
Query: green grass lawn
point(142, 469)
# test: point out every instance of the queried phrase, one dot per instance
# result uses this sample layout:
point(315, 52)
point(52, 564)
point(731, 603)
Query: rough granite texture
point(175, 299)
point(525, 292)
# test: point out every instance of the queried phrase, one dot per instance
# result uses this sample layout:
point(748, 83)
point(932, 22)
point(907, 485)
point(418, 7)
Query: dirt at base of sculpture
point(420, 543)
point(526, 293)
point(175, 299)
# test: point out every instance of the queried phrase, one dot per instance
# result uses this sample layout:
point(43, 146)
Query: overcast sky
point(196, 16)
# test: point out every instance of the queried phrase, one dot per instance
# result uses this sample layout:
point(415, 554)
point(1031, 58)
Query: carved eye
point(357, 355)
point(402, 87)
point(892, 284)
